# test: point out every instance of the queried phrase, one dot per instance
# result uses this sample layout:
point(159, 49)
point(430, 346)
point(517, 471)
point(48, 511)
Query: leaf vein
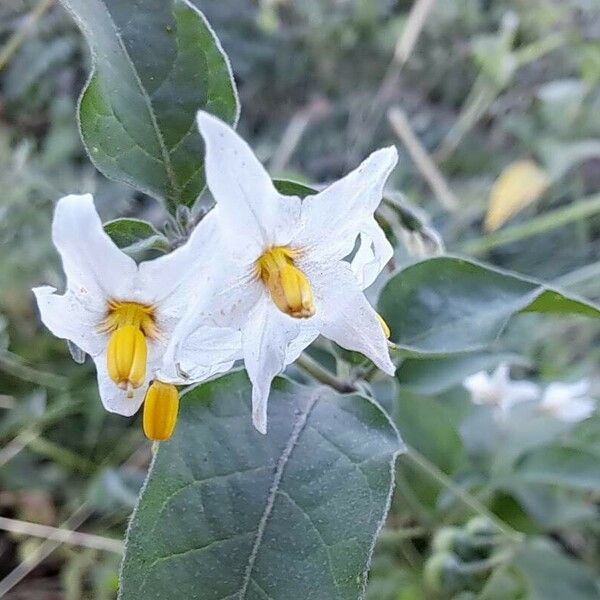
point(299, 426)
point(159, 136)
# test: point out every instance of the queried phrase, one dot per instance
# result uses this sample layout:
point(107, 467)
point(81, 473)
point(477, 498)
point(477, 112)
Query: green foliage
point(135, 235)
point(309, 72)
point(137, 111)
point(444, 305)
point(292, 514)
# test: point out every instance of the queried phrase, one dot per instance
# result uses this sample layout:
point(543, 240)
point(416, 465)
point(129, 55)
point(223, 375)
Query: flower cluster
point(568, 402)
point(260, 277)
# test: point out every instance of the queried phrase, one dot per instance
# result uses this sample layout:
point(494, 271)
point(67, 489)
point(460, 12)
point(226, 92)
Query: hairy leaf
point(445, 304)
point(229, 513)
point(155, 64)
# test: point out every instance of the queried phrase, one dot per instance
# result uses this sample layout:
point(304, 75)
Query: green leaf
point(229, 513)
point(433, 376)
point(551, 575)
point(135, 235)
point(293, 188)
point(155, 64)
point(446, 305)
point(564, 467)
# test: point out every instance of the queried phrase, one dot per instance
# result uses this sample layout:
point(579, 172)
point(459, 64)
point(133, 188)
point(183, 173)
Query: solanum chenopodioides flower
point(568, 402)
point(282, 274)
point(123, 314)
point(499, 390)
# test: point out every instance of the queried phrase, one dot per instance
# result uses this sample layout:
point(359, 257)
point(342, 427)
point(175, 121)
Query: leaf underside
point(230, 513)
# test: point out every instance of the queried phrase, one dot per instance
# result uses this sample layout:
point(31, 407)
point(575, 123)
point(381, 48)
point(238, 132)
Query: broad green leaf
point(565, 467)
point(155, 64)
point(229, 513)
point(435, 375)
point(445, 305)
point(135, 235)
point(552, 507)
point(550, 575)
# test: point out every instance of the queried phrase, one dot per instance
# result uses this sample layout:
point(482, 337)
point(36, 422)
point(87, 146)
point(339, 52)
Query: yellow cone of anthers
point(161, 406)
point(288, 285)
point(129, 324)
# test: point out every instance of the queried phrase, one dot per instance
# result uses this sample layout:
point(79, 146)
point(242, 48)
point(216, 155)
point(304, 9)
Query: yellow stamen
point(289, 287)
point(129, 324)
point(126, 357)
point(160, 411)
point(384, 326)
point(130, 313)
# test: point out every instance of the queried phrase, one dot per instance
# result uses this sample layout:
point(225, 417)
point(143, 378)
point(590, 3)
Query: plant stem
point(465, 497)
point(546, 222)
point(315, 370)
point(18, 37)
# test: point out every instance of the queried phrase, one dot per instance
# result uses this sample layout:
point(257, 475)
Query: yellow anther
point(129, 324)
point(384, 326)
point(126, 357)
point(160, 411)
point(289, 287)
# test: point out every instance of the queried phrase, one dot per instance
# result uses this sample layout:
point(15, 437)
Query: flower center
point(160, 411)
point(129, 324)
point(289, 287)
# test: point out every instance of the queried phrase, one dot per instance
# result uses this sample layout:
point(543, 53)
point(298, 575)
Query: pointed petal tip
point(390, 368)
point(260, 422)
point(260, 427)
point(205, 120)
point(391, 156)
point(43, 290)
point(67, 202)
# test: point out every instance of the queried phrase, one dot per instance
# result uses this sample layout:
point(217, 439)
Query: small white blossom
point(281, 271)
point(568, 402)
point(499, 390)
point(120, 313)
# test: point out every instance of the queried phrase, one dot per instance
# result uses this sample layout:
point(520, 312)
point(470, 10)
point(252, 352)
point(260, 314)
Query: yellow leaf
point(520, 184)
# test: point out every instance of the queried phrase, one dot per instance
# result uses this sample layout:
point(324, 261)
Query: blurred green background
point(464, 89)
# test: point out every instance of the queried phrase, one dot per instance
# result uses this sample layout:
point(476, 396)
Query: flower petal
point(480, 386)
point(559, 391)
point(345, 316)
point(578, 409)
point(68, 318)
point(169, 282)
point(115, 399)
point(203, 354)
point(373, 253)
point(520, 391)
point(96, 269)
point(270, 340)
point(252, 214)
point(333, 218)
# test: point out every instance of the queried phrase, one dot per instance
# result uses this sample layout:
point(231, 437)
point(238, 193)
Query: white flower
point(570, 403)
point(120, 313)
point(499, 390)
point(281, 278)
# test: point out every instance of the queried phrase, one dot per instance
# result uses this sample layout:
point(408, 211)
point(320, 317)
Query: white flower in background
point(280, 274)
point(499, 390)
point(569, 402)
point(123, 314)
